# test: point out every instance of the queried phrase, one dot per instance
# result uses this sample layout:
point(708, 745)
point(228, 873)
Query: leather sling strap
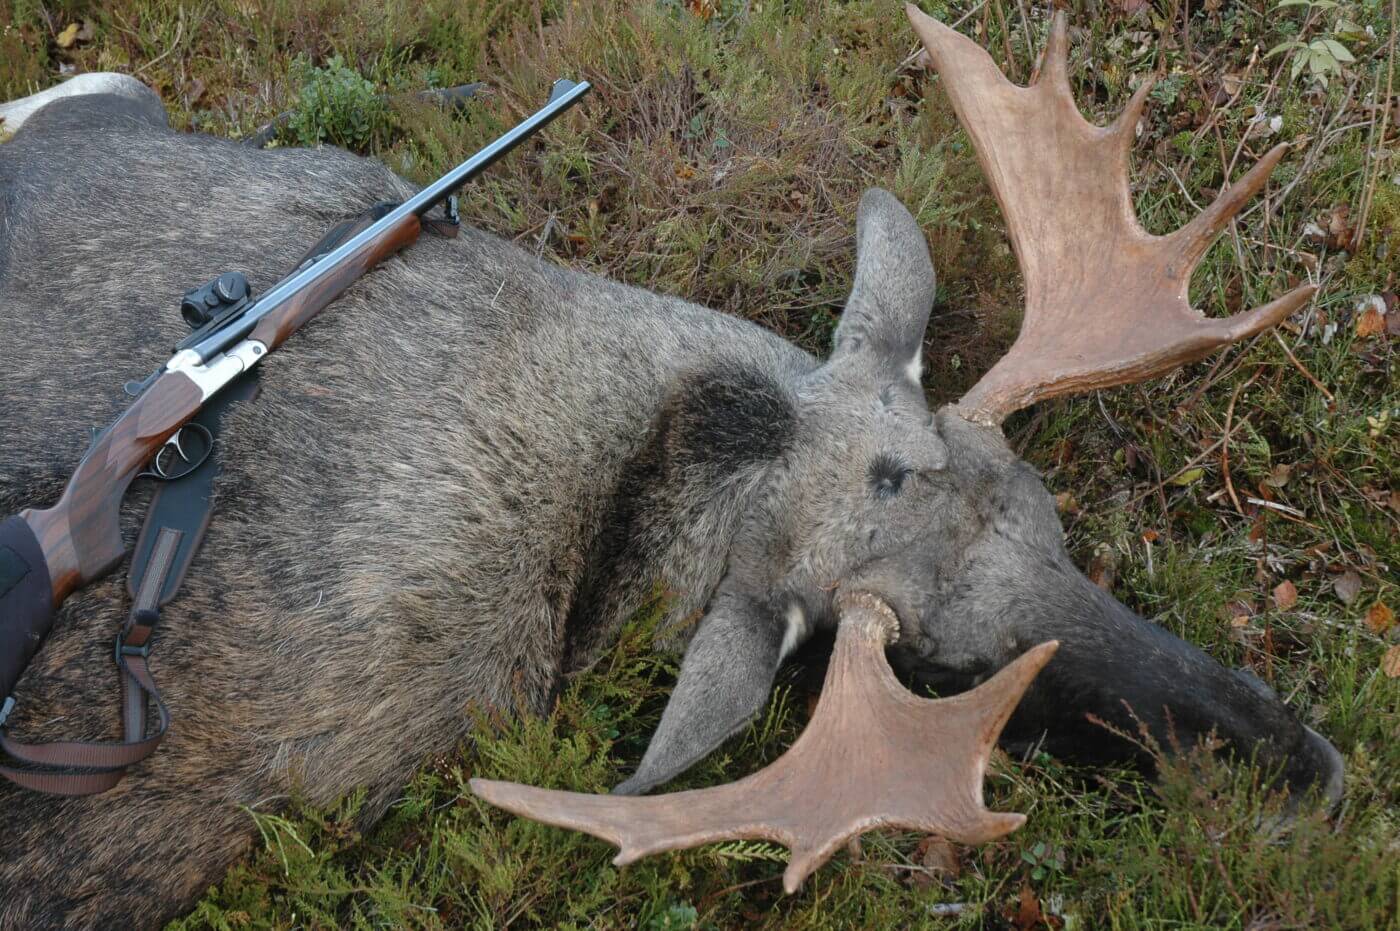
point(80, 767)
point(175, 524)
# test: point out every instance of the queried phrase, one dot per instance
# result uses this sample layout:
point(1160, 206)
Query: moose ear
point(725, 679)
point(886, 315)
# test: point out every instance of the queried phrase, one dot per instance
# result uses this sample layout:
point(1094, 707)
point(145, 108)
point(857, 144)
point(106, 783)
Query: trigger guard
point(182, 465)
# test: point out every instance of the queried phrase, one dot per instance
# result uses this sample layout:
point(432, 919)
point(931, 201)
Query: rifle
point(48, 553)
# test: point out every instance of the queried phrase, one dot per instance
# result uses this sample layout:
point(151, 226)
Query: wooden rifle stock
point(79, 535)
point(274, 329)
point(46, 554)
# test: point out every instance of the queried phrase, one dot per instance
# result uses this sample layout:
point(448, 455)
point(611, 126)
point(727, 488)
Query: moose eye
point(887, 475)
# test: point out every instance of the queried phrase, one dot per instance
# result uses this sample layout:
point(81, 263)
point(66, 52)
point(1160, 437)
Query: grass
point(721, 158)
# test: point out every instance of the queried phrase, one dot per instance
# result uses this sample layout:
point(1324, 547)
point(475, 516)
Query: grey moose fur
point(461, 480)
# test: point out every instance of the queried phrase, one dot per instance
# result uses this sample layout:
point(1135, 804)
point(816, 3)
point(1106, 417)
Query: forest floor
point(1250, 502)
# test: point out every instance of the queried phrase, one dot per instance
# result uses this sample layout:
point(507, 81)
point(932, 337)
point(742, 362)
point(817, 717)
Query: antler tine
point(1106, 302)
point(873, 755)
point(1195, 237)
point(1054, 61)
point(1125, 127)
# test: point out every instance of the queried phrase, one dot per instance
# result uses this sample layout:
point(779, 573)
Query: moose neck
point(675, 505)
point(661, 421)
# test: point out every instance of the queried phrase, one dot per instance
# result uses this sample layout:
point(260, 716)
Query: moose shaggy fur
point(460, 480)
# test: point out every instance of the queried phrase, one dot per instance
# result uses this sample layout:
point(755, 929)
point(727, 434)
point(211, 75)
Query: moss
point(1375, 262)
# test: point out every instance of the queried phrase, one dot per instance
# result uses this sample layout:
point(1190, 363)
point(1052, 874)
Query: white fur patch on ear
point(796, 631)
point(915, 368)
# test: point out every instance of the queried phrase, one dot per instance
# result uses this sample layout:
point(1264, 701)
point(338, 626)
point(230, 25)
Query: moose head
point(938, 548)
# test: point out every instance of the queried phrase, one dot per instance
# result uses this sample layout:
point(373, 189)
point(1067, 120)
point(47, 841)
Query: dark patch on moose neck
point(712, 425)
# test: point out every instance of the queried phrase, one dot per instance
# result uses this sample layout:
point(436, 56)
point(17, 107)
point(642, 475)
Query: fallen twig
point(1275, 506)
point(1225, 445)
point(1302, 368)
point(1195, 461)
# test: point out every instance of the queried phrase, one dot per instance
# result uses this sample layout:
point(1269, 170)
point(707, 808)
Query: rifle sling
point(175, 524)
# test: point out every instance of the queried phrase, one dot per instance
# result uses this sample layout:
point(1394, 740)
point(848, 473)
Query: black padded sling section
point(26, 603)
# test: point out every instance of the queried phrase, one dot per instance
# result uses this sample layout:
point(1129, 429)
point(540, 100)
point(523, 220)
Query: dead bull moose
point(457, 485)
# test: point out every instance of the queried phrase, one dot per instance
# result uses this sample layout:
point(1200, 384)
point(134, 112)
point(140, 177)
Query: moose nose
point(1331, 767)
point(1324, 763)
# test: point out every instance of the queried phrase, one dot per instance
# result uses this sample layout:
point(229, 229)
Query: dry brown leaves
point(1285, 595)
point(1378, 316)
point(1380, 618)
point(1027, 914)
point(1279, 475)
point(938, 857)
point(1238, 610)
point(1347, 586)
point(1370, 323)
point(1390, 662)
point(1103, 567)
point(1335, 229)
point(705, 9)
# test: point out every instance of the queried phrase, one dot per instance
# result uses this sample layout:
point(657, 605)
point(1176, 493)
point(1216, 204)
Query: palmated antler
point(1106, 301)
point(873, 755)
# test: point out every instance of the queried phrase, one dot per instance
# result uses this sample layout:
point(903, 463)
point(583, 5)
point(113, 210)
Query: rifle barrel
point(564, 95)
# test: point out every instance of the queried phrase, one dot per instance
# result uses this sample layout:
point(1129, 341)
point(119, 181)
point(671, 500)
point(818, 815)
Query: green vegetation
point(1249, 503)
point(337, 105)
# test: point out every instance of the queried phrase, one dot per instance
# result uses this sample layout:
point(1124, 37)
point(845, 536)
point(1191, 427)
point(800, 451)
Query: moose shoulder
point(455, 487)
